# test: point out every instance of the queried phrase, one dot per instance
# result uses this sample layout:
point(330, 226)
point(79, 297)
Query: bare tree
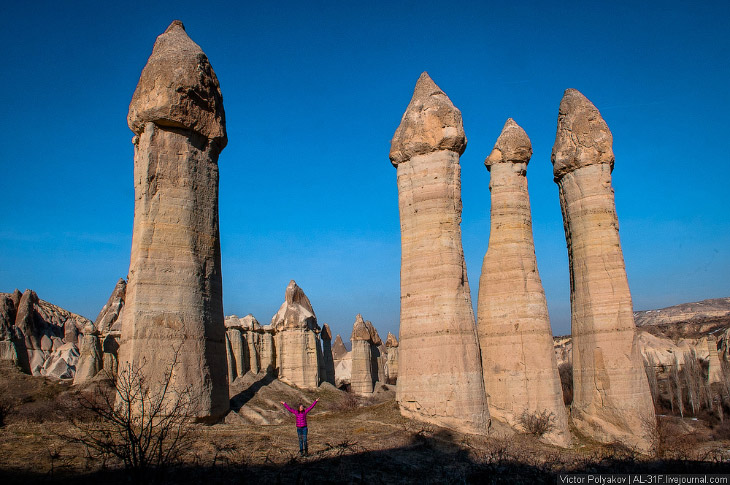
point(692, 379)
point(145, 425)
point(537, 423)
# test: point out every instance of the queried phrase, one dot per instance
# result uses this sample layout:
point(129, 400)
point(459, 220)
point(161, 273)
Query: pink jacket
point(301, 416)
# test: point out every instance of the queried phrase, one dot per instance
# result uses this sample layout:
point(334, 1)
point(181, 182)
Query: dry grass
point(350, 440)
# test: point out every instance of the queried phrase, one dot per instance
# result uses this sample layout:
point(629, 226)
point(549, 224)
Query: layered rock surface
point(391, 371)
point(361, 379)
point(173, 306)
point(296, 339)
point(440, 375)
point(39, 336)
point(612, 401)
point(520, 369)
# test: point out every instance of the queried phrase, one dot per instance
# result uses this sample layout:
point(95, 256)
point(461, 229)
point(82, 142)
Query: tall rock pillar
point(362, 379)
point(440, 370)
point(520, 370)
point(174, 294)
point(329, 363)
point(611, 398)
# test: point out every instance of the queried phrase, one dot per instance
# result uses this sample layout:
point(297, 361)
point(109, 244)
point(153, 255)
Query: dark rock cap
point(512, 146)
point(431, 123)
point(582, 138)
point(178, 88)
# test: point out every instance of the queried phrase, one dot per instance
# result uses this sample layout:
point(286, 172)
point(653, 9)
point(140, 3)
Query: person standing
point(301, 414)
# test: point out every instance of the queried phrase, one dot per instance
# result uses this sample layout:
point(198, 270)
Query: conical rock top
point(178, 88)
point(512, 146)
point(296, 311)
point(360, 330)
point(391, 341)
point(583, 137)
point(326, 332)
point(339, 350)
point(431, 123)
point(374, 337)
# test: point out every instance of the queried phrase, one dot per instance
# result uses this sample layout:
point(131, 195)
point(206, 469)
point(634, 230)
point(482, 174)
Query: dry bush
point(565, 370)
point(147, 428)
point(537, 423)
point(6, 409)
point(346, 403)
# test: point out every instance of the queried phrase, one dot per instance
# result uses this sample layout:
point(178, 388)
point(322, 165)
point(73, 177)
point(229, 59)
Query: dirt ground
point(351, 440)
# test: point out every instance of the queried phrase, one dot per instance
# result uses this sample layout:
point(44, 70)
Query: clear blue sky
point(313, 92)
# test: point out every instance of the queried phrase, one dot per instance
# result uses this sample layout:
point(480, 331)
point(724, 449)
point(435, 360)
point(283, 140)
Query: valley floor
point(351, 441)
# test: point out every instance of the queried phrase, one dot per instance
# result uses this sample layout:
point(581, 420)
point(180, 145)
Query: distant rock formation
point(174, 299)
point(391, 370)
point(296, 339)
point(33, 334)
point(440, 370)
point(91, 359)
point(685, 313)
point(362, 379)
point(327, 356)
point(612, 401)
point(520, 370)
point(343, 362)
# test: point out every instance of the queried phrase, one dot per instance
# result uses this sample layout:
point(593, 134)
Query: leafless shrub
point(347, 402)
point(537, 423)
point(146, 428)
point(692, 379)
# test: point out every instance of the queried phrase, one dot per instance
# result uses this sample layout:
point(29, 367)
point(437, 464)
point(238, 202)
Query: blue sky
point(313, 92)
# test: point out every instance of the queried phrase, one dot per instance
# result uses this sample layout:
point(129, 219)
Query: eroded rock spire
point(611, 397)
point(173, 304)
point(439, 368)
point(520, 370)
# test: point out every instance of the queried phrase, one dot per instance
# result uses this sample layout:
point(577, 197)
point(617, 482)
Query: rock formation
point(253, 336)
point(714, 367)
point(91, 358)
point(108, 318)
point(236, 349)
point(33, 335)
point(173, 304)
point(391, 370)
point(520, 370)
point(362, 379)
point(440, 372)
point(327, 356)
point(343, 362)
point(612, 401)
point(295, 325)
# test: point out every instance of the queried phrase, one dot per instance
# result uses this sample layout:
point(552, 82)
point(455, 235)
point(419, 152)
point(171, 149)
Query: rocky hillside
point(674, 331)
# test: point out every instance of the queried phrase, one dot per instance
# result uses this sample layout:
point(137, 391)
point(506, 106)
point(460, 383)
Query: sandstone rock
point(8, 351)
point(714, 370)
point(237, 361)
point(179, 89)
point(7, 316)
point(62, 363)
point(339, 351)
point(110, 348)
point(611, 397)
point(327, 356)
point(108, 318)
point(253, 330)
point(391, 371)
point(440, 376)
point(92, 357)
point(520, 370)
point(268, 352)
point(173, 303)
point(296, 346)
point(362, 379)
